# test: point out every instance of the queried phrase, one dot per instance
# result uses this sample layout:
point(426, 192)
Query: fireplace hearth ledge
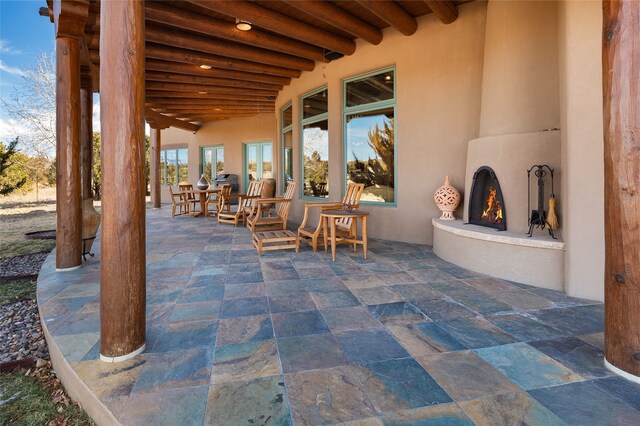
point(537, 261)
point(458, 227)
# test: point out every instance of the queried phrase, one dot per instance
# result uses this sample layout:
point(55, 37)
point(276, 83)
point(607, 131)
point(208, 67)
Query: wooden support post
point(621, 62)
point(155, 167)
point(122, 263)
point(68, 195)
point(86, 141)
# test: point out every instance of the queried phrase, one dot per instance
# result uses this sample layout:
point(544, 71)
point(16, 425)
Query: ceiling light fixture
point(217, 109)
point(243, 25)
point(387, 77)
point(202, 93)
point(205, 67)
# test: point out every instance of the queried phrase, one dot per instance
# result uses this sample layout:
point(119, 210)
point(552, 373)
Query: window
point(174, 166)
point(369, 123)
point(212, 160)
point(315, 144)
point(286, 134)
point(258, 160)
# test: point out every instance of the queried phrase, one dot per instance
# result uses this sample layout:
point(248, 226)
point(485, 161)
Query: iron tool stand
point(538, 218)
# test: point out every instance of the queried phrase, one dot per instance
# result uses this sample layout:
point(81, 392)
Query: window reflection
point(315, 147)
point(370, 153)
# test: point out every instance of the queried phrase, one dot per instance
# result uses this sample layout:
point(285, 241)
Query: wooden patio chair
point(189, 197)
point(178, 202)
point(279, 221)
point(216, 200)
point(245, 204)
point(311, 235)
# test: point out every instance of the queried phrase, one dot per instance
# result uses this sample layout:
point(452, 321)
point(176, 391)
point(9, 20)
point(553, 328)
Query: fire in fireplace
point(486, 205)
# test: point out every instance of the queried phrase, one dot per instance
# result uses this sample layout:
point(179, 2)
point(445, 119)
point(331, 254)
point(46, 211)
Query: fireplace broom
point(552, 219)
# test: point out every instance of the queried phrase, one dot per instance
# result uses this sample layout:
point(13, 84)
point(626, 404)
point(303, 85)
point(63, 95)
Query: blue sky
point(24, 34)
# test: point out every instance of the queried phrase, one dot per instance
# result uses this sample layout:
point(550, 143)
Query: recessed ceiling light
point(243, 25)
point(205, 67)
point(387, 77)
point(307, 106)
point(217, 109)
point(202, 93)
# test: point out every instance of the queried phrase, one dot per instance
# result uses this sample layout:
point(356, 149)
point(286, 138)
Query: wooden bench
point(277, 240)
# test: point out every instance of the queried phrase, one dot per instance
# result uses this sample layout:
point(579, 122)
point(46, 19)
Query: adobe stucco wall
point(582, 208)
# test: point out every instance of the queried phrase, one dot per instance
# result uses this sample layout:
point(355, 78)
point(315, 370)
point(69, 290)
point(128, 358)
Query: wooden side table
point(329, 218)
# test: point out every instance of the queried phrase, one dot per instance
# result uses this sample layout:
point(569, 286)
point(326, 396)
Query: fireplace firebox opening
point(486, 205)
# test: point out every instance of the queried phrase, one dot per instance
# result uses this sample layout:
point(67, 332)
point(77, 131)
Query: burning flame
point(493, 212)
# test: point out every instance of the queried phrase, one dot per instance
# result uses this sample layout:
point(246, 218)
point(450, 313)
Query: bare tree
point(32, 106)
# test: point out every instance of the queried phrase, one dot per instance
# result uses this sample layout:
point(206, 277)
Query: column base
point(113, 359)
point(73, 268)
point(621, 372)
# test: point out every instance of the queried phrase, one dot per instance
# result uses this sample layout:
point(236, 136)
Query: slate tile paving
point(401, 338)
point(584, 403)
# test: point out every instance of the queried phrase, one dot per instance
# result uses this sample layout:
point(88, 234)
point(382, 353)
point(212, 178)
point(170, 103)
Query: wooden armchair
point(245, 204)
point(178, 203)
point(216, 201)
point(188, 196)
point(279, 221)
point(310, 234)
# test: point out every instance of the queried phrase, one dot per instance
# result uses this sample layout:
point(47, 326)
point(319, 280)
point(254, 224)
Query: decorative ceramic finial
point(447, 199)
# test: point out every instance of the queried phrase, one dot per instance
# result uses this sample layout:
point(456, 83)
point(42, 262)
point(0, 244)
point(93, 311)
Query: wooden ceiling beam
point(446, 11)
point(161, 119)
point(155, 95)
point(215, 107)
point(212, 117)
point(195, 70)
point(175, 54)
point(203, 102)
point(207, 105)
point(333, 15)
point(194, 22)
point(214, 46)
point(195, 88)
point(206, 81)
point(280, 24)
point(391, 13)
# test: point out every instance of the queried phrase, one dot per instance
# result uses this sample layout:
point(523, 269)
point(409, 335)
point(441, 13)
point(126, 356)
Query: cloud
point(10, 129)
point(7, 49)
point(11, 70)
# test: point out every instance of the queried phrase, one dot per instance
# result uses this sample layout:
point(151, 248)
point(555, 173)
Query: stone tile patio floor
point(400, 338)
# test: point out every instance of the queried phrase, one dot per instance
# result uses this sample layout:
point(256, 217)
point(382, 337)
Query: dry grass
point(20, 214)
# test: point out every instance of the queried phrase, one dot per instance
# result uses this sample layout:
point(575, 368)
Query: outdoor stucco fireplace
point(486, 204)
point(496, 177)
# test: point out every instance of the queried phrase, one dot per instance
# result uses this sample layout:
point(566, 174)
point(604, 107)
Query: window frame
point(214, 148)
point(283, 130)
point(371, 107)
point(163, 159)
point(303, 122)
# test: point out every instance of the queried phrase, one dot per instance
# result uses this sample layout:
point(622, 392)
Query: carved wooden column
point(621, 65)
point(156, 196)
point(68, 196)
point(122, 263)
point(86, 141)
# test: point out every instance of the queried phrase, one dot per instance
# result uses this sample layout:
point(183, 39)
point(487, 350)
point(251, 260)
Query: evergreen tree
point(11, 178)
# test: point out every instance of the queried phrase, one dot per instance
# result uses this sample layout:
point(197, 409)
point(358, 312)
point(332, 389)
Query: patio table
point(203, 197)
point(329, 218)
